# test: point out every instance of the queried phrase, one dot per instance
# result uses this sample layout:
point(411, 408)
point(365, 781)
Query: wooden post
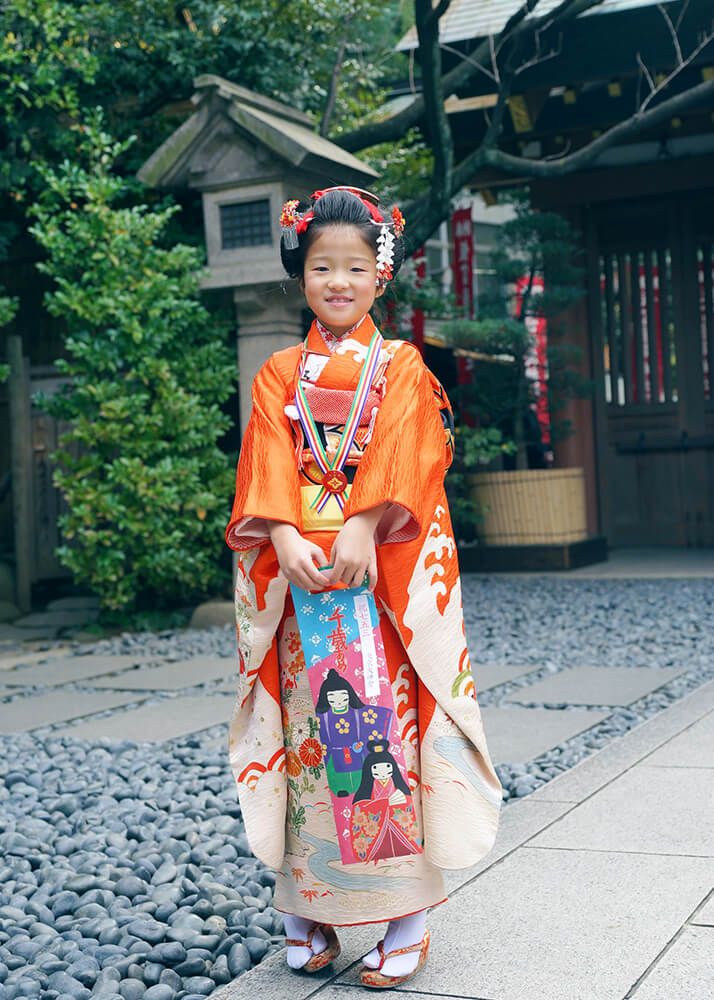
point(20, 450)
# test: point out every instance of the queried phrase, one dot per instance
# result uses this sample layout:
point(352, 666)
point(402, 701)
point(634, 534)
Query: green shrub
point(494, 336)
point(148, 366)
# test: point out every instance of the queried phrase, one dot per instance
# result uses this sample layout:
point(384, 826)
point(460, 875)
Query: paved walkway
point(600, 887)
point(654, 562)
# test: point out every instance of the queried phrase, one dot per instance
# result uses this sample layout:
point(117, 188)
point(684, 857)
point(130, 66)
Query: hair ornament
point(397, 221)
point(385, 254)
point(289, 219)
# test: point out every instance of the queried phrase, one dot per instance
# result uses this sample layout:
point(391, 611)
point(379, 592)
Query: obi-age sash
point(361, 746)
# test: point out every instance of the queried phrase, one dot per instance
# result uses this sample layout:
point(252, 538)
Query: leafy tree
point(139, 466)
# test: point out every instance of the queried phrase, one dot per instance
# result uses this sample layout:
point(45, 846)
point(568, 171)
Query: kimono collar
point(326, 343)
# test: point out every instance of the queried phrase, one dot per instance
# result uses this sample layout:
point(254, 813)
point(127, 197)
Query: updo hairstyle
point(331, 209)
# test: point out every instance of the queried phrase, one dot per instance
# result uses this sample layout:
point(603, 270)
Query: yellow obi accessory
point(331, 518)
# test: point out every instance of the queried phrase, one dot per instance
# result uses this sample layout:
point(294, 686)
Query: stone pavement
point(642, 562)
point(600, 887)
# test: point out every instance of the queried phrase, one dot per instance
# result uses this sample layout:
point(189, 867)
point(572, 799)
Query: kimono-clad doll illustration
point(383, 821)
point(346, 725)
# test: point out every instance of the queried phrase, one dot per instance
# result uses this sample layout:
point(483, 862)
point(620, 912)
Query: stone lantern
point(247, 154)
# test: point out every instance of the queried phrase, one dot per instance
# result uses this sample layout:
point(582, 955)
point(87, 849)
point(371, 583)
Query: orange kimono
point(400, 455)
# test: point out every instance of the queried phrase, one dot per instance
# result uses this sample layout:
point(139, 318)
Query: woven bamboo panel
point(531, 506)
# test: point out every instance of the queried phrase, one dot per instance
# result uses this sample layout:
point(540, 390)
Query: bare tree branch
point(676, 71)
point(540, 59)
point(640, 122)
point(396, 125)
point(673, 33)
point(646, 72)
point(423, 222)
point(437, 121)
point(494, 58)
point(683, 11)
point(438, 11)
point(335, 77)
point(462, 55)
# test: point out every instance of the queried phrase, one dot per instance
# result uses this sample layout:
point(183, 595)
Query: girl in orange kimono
point(366, 502)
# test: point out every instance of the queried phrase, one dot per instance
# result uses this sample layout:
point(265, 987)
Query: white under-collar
point(329, 337)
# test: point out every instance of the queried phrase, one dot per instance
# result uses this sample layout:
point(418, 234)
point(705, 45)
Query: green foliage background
point(146, 484)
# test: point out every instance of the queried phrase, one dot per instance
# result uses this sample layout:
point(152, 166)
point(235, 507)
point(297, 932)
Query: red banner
point(463, 269)
point(463, 264)
point(536, 360)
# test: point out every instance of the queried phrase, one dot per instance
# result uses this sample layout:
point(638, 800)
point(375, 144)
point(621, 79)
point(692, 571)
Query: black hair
point(378, 756)
point(333, 682)
point(337, 208)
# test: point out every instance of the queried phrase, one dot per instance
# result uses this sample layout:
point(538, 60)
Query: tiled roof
point(479, 18)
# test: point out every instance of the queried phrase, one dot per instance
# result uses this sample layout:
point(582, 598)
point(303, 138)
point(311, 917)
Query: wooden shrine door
point(652, 319)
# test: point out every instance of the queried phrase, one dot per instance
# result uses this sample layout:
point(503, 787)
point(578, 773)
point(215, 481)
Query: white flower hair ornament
point(385, 246)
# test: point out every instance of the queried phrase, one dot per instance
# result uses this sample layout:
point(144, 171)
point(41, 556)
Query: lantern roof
point(282, 136)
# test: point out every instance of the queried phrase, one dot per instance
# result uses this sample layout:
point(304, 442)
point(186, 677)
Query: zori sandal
point(324, 957)
point(376, 980)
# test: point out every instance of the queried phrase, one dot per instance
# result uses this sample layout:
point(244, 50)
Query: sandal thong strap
point(384, 955)
point(297, 943)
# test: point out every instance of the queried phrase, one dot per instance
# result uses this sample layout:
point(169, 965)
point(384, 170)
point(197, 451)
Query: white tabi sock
point(400, 934)
point(299, 928)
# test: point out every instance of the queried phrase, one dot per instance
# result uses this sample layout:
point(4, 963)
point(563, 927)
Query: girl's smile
point(340, 277)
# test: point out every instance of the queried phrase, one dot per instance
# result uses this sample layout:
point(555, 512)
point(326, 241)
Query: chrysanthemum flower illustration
point(310, 752)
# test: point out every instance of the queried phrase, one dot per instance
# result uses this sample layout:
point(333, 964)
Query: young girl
point(380, 513)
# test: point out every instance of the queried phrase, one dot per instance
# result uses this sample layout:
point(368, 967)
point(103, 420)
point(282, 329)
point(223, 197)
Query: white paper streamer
point(370, 663)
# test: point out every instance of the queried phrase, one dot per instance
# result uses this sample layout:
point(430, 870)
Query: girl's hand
point(296, 556)
point(353, 551)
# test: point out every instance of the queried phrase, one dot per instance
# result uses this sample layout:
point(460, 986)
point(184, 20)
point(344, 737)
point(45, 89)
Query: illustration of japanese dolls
point(383, 821)
point(346, 724)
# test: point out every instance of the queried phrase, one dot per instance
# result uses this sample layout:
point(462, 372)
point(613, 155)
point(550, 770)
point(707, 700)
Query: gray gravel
point(125, 871)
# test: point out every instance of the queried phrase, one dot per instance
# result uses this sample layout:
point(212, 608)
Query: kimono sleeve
point(407, 457)
point(267, 486)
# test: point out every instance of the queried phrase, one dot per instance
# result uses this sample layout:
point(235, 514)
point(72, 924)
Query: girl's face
point(382, 771)
point(340, 277)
